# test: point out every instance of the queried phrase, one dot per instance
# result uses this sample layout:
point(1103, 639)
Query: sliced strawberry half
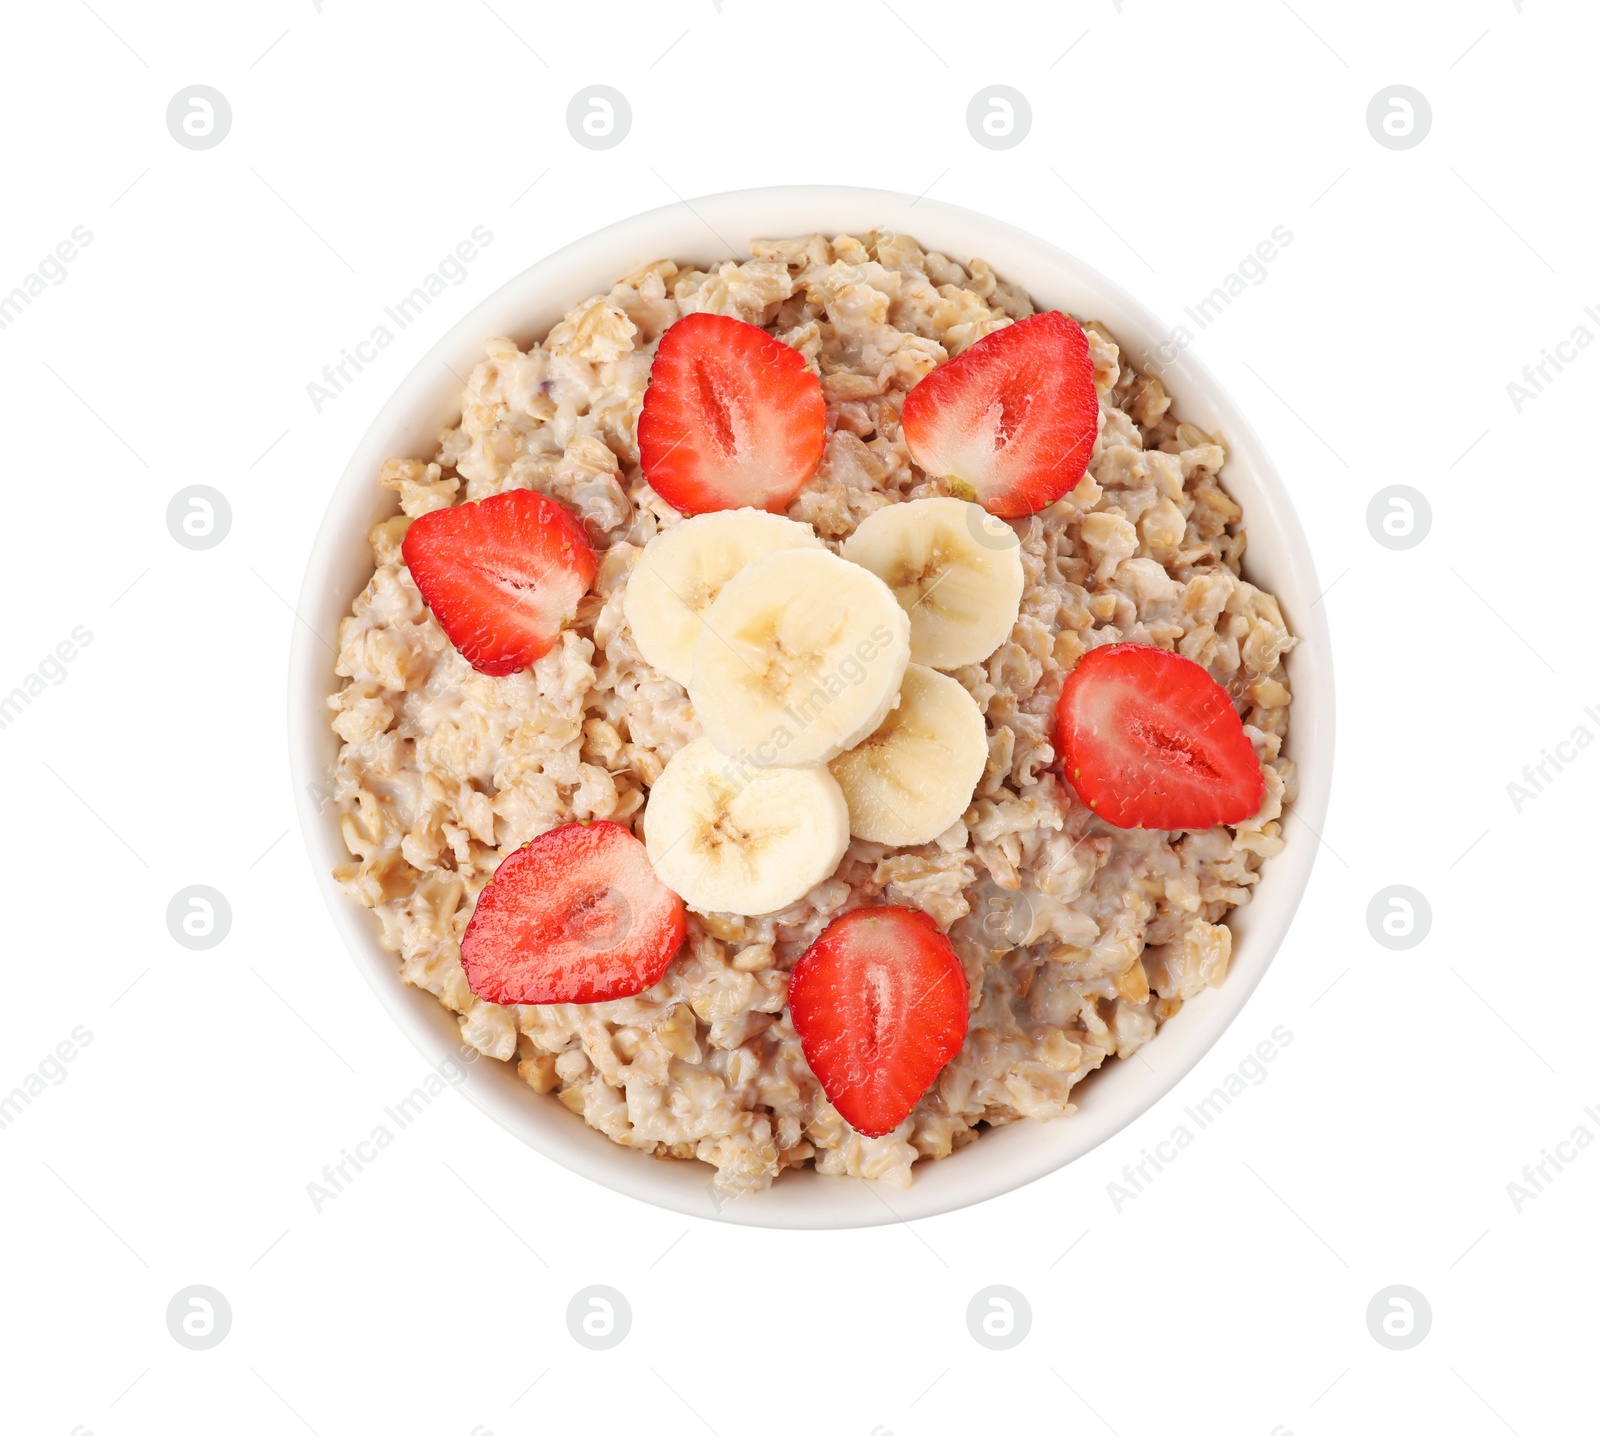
point(577, 915)
point(503, 576)
point(880, 1004)
point(1011, 421)
point(732, 418)
point(1149, 739)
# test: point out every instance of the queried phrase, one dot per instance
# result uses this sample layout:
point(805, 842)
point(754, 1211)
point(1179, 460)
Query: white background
point(1167, 140)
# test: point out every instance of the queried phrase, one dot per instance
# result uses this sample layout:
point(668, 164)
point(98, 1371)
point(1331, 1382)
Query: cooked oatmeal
point(1077, 939)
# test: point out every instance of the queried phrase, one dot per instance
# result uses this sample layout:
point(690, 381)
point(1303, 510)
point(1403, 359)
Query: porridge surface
point(1077, 939)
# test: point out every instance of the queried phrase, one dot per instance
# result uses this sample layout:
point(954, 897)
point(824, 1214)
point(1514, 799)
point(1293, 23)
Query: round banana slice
point(954, 568)
point(730, 837)
point(913, 777)
point(683, 569)
point(798, 659)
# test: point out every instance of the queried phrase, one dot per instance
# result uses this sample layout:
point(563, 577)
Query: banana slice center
point(920, 579)
point(721, 828)
point(723, 837)
point(788, 671)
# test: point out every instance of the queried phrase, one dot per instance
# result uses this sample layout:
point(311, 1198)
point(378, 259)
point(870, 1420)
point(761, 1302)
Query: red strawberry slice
point(577, 915)
point(503, 576)
point(1010, 421)
point(1149, 739)
point(880, 1003)
point(732, 418)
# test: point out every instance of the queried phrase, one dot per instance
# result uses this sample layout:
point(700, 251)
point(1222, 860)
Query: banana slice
point(954, 568)
point(799, 658)
point(729, 837)
point(681, 572)
point(913, 777)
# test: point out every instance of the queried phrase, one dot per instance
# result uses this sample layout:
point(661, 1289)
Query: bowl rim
point(1013, 1155)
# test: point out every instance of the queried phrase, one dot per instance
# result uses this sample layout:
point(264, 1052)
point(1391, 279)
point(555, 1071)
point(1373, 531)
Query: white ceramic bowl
point(525, 309)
